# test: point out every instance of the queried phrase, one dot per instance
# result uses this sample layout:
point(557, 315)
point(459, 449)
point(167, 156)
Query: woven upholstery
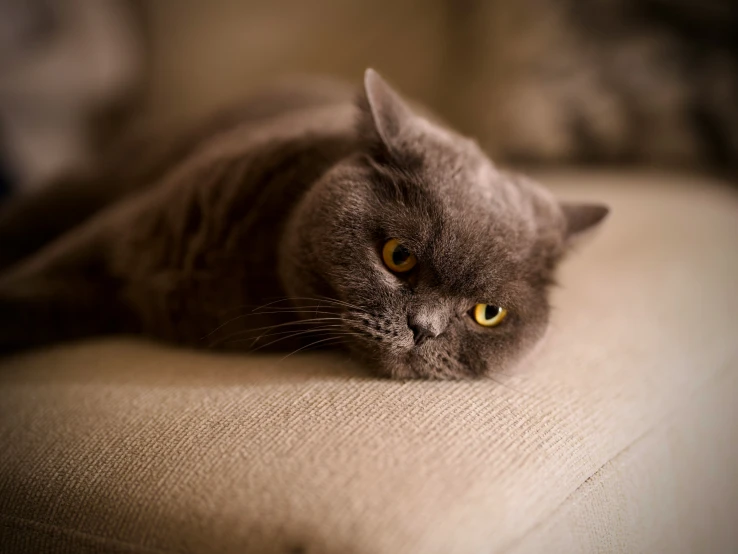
point(619, 436)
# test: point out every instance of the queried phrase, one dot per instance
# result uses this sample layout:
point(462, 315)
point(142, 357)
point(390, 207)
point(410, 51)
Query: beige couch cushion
point(619, 437)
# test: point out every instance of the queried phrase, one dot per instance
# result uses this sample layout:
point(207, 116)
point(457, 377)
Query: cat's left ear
point(388, 113)
point(581, 218)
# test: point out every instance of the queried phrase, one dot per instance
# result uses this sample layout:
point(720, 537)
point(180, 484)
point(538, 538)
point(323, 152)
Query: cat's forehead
point(470, 191)
point(456, 166)
point(475, 257)
point(485, 229)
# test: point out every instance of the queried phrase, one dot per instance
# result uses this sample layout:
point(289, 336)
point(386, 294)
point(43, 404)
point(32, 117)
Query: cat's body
point(268, 230)
point(179, 240)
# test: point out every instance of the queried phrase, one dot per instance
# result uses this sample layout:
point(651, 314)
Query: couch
point(618, 435)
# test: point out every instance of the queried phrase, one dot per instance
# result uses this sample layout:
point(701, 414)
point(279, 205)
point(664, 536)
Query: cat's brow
point(403, 186)
point(481, 278)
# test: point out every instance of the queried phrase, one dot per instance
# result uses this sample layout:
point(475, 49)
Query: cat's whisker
point(311, 345)
point(505, 385)
point(251, 307)
point(290, 299)
point(297, 322)
point(266, 334)
point(242, 316)
point(219, 327)
point(341, 302)
point(333, 301)
point(292, 334)
point(272, 303)
point(240, 307)
point(332, 333)
point(298, 310)
point(270, 327)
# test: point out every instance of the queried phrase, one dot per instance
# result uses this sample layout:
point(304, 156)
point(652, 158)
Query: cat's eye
point(397, 257)
point(488, 315)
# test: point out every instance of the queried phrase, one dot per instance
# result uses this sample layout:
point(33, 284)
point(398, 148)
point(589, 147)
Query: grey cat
point(307, 220)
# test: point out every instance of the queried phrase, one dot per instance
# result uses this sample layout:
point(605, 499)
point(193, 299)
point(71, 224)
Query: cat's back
point(272, 123)
point(289, 127)
point(298, 109)
point(190, 226)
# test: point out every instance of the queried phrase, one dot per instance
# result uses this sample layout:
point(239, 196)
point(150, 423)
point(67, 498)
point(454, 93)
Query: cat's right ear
point(385, 115)
point(581, 218)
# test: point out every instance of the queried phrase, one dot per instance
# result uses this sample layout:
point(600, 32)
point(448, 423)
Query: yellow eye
point(488, 315)
point(397, 257)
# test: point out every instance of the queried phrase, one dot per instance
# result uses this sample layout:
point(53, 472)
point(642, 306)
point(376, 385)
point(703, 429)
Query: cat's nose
point(424, 328)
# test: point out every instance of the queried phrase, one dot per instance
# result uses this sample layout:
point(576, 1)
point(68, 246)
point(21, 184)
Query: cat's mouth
point(400, 357)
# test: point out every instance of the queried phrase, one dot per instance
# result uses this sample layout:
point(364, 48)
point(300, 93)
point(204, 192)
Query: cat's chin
point(411, 364)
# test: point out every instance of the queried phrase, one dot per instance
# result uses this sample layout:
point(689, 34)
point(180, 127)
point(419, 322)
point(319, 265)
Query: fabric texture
point(617, 435)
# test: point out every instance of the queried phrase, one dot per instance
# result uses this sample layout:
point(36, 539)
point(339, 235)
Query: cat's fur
point(288, 209)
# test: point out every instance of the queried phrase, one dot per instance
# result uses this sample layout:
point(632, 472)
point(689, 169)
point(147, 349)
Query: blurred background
point(612, 82)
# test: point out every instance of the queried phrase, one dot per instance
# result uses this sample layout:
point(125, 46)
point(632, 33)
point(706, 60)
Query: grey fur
point(297, 205)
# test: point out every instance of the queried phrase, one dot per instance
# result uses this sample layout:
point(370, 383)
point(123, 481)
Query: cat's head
point(440, 262)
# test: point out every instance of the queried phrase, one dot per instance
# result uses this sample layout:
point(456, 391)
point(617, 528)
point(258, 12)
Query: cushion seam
point(52, 530)
point(513, 542)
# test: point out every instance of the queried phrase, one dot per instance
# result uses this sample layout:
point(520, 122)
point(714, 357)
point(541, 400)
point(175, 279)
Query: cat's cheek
point(398, 368)
point(526, 361)
point(378, 360)
point(520, 357)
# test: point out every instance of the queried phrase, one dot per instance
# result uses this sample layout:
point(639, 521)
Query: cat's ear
point(581, 218)
point(387, 113)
